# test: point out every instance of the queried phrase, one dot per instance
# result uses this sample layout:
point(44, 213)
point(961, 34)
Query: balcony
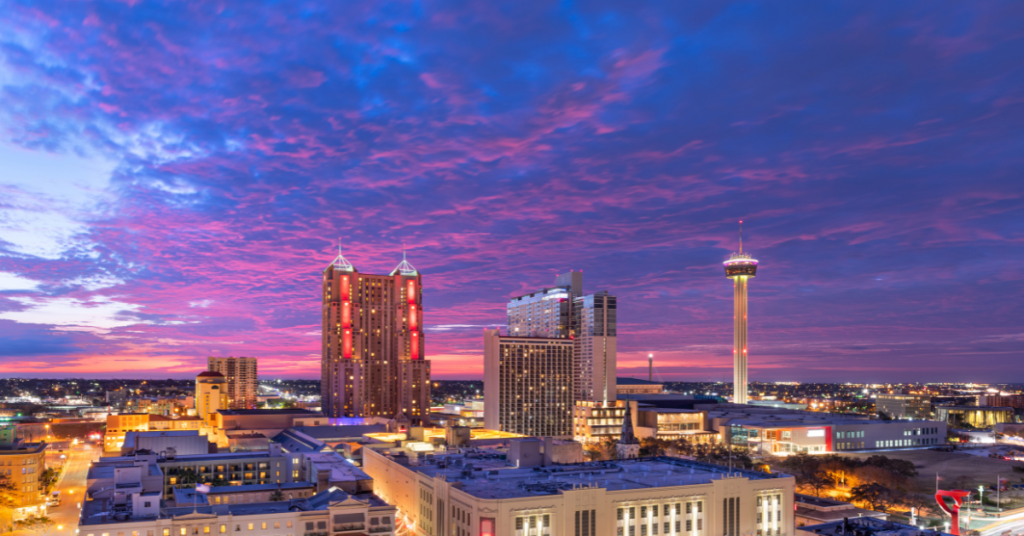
point(350, 527)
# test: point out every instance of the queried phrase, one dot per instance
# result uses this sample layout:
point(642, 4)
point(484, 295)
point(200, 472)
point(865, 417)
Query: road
point(72, 490)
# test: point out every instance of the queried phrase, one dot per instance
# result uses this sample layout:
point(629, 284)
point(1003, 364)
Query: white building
point(328, 512)
point(496, 492)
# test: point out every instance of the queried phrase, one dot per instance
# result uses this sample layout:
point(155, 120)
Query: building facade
point(1004, 401)
point(242, 379)
point(528, 385)
point(904, 406)
point(328, 512)
point(595, 320)
point(638, 497)
point(23, 464)
point(373, 361)
point(973, 416)
point(786, 437)
point(564, 312)
point(211, 396)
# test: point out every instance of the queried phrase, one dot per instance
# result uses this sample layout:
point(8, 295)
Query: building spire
point(340, 262)
point(741, 236)
point(404, 267)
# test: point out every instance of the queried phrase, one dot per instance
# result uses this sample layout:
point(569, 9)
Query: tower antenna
point(741, 236)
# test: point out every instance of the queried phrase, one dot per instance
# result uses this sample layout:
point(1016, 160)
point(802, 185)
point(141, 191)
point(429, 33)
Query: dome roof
point(210, 374)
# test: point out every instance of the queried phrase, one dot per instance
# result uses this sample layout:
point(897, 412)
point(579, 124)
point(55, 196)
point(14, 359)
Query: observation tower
point(740, 267)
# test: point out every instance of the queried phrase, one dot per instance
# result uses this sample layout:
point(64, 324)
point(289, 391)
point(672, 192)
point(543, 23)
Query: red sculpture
point(958, 498)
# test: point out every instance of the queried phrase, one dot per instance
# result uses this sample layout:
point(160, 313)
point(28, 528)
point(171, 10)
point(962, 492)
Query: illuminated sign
point(815, 433)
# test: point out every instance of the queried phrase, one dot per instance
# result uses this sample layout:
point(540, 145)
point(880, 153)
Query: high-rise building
point(242, 379)
point(373, 361)
point(740, 268)
point(594, 328)
point(546, 312)
point(528, 385)
point(211, 395)
point(563, 312)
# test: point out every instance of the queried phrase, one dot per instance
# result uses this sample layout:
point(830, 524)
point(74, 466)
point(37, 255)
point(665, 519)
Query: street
point(72, 490)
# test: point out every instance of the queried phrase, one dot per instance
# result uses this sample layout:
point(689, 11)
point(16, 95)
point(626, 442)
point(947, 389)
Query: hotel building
point(528, 385)
point(563, 312)
point(242, 379)
point(511, 492)
point(373, 361)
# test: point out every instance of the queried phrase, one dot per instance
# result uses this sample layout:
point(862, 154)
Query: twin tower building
point(559, 349)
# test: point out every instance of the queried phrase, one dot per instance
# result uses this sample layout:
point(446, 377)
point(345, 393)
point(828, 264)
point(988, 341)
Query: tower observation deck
point(740, 267)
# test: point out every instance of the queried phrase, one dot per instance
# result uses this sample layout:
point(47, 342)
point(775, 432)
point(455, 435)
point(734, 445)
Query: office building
point(564, 312)
point(595, 320)
point(211, 396)
point(780, 432)
point(510, 491)
point(528, 385)
point(373, 362)
point(740, 267)
point(973, 416)
point(1004, 401)
point(904, 406)
point(23, 464)
point(242, 380)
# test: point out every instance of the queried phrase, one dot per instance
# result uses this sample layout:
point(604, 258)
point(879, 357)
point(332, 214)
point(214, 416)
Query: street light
point(981, 498)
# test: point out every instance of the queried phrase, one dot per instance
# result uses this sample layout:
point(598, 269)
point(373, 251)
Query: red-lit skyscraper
point(373, 361)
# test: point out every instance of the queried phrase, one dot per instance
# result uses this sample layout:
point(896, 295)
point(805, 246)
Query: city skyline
point(175, 179)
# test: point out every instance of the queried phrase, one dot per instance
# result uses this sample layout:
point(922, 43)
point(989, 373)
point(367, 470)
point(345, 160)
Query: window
point(643, 530)
point(288, 524)
point(618, 514)
point(689, 525)
point(250, 526)
point(223, 529)
point(687, 508)
point(277, 524)
point(665, 527)
point(167, 532)
point(519, 523)
point(182, 531)
point(264, 525)
point(547, 520)
point(632, 512)
point(147, 504)
point(654, 510)
point(643, 511)
point(206, 529)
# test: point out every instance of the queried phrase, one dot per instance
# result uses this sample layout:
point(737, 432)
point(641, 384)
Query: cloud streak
point(184, 171)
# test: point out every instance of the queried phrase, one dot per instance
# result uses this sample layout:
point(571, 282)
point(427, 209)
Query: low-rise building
point(498, 492)
point(817, 510)
point(904, 406)
point(119, 425)
point(184, 442)
point(23, 463)
point(225, 468)
point(329, 512)
point(634, 386)
point(866, 526)
point(974, 416)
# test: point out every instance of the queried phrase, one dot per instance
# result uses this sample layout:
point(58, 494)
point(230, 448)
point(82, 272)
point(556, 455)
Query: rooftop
point(97, 512)
point(634, 381)
point(486, 474)
point(867, 526)
point(299, 412)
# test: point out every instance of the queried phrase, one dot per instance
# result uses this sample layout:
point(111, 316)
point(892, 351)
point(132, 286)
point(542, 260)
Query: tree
point(49, 478)
point(277, 496)
point(875, 495)
point(37, 524)
point(8, 501)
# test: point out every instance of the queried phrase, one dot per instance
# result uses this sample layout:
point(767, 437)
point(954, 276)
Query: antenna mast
point(741, 236)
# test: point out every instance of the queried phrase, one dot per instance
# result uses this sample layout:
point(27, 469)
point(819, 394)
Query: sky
point(174, 177)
